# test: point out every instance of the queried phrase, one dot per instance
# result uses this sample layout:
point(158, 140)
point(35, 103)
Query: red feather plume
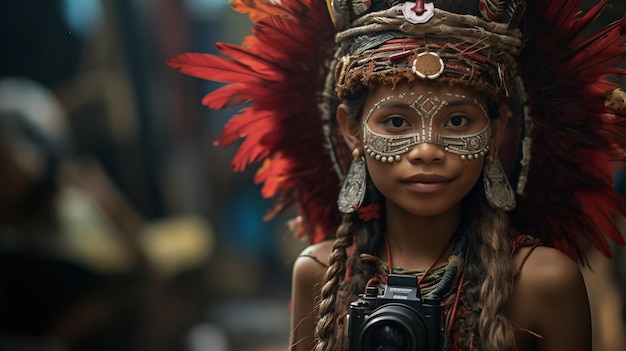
point(569, 197)
point(278, 74)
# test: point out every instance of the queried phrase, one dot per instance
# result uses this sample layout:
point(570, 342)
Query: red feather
point(227, 97)
point(261, 9)
point(569, 200)
point(278, 72)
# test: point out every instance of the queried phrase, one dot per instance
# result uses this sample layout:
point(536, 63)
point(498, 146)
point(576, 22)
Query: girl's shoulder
point(545, 270)
point(309, 270)
point(317, 254)
point(549, 298)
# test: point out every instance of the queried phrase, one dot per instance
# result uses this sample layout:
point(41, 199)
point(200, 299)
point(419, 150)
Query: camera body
point(398, 320)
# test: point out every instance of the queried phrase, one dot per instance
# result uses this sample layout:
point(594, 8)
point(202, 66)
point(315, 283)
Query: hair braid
point(495, 329)
point(474, 274)
point(325, 328)
point(489, 278)
point(368, 241)
point(333, 304)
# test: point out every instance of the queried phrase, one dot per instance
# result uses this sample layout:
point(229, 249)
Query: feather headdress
point(573, 113)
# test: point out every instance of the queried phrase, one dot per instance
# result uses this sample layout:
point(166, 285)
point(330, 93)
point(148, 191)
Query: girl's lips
point(427, 178)
point(426, 183)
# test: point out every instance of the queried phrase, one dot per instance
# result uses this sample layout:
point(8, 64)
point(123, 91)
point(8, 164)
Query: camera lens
point(394, 327)
point(389, 337)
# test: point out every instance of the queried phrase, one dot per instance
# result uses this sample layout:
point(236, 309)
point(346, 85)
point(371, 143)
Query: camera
point(399, 320)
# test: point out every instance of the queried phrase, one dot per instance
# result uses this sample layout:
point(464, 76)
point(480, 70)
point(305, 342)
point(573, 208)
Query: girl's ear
point(498, 125)
point(350, 128)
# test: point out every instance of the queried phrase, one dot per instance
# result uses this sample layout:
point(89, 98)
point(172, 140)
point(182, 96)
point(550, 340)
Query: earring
point(353, 189)
point(498, 191)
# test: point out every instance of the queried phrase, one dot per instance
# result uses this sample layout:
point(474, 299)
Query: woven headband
point(396, 43)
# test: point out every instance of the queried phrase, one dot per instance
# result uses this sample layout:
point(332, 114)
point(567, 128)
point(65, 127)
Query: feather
point(259, 9)
point(275, 78)
point(570, 177)
point(213, 68)
point(226, 97)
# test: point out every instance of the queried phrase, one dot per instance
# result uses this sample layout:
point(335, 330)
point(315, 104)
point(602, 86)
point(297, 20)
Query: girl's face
point(424, 145)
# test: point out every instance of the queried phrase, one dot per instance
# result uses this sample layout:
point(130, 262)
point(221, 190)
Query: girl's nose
point(427, 153)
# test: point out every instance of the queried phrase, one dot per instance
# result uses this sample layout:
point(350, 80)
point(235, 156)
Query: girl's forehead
point(405, 90)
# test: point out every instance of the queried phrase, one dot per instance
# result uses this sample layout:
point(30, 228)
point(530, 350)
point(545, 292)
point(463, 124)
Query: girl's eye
point(457, 121)
point(396, 122)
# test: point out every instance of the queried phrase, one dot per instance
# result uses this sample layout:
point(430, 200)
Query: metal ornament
point(498, 191)
point(428, 65)
point(352, 191)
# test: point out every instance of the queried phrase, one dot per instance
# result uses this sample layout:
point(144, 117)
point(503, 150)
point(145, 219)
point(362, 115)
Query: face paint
point(389, 147)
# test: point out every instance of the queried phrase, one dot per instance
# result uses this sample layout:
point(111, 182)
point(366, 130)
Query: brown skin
point(549, 296)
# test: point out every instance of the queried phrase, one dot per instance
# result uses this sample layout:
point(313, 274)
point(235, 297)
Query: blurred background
point(121, 225)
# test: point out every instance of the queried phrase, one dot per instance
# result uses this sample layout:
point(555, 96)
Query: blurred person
point(71, 264)
point(80, 268)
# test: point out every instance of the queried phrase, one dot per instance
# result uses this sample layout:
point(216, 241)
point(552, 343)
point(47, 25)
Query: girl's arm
point(550, 299)
point(308, 273)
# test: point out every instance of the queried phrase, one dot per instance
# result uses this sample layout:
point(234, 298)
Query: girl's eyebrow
point(395, 104)
point(460, 102)
point(448, 104)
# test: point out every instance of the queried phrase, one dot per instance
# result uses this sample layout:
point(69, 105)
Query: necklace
point(424, 273)
point(441, 286)
point(434, 282)
point(426, 279)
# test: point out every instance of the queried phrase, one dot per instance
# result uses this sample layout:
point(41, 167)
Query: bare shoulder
point(308, 275)
point(548, 271)
point(312, 262)
point(320, 251)
point(550, 299)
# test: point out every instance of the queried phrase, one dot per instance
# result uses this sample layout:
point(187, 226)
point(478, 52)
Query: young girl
point(398, 128)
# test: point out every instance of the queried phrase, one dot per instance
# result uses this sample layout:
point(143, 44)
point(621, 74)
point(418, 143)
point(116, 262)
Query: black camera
point(398, 320)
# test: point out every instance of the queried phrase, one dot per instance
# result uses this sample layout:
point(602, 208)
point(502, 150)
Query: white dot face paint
point(397, 123)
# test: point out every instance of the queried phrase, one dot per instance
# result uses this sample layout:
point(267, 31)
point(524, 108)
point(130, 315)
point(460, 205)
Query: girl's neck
point(414, 241)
